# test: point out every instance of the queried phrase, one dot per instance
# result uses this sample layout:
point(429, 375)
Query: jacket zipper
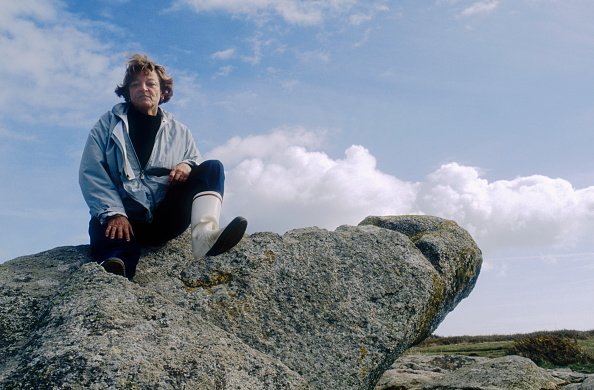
point(141, 177)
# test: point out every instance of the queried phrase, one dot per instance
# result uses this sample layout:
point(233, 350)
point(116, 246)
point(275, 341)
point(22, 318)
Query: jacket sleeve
point(97, 186)
point(192, 154)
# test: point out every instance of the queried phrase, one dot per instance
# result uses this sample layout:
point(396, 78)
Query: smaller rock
point(413, 372)
point(568, 375)
point(439, 372)
point(508, 372)
point(587, 384)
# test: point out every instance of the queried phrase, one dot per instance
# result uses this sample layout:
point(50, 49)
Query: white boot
point(207, 238)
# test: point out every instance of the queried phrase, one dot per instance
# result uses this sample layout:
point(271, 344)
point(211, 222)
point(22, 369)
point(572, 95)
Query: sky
point(325, 112)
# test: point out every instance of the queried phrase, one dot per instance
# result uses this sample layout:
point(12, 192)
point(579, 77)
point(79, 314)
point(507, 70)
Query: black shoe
point(113, 265)
point(229, 237)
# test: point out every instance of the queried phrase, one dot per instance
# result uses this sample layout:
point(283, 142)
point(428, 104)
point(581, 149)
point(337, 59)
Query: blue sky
point(324, 112)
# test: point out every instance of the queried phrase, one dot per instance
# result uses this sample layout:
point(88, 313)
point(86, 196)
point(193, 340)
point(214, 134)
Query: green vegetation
point(553, 351)
point(564, 348)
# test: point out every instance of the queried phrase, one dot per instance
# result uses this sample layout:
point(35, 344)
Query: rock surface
point(508, 372)
point(417, 371)
point(312, 309)
point(449, 372)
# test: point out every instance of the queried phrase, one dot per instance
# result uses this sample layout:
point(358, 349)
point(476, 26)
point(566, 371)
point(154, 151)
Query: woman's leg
point(172, 217)
point(104, 248)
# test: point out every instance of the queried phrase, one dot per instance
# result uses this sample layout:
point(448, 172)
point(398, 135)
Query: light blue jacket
point(110, 176)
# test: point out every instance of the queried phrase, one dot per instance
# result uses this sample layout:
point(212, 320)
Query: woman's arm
point(97, 186)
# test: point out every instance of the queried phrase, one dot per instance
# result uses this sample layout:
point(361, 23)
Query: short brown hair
point(141, 63)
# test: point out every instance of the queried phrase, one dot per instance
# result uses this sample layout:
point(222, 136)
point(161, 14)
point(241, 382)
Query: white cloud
point(358, 19)
point(53, 70)
point(224, 71)
point(368, 14)
point(277, 183)
point(364, 39)
point(13, 135)
point(525, 211)
point(292, 11)
point(224, 54)
point(480, 7)
point(289, 84)
point(314, 56)
point(256, 56)
point(41, 10)
point(267, 146)
point(281, 181)
point(187, 92)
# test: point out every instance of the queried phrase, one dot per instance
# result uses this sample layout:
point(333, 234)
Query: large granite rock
point(312, 309)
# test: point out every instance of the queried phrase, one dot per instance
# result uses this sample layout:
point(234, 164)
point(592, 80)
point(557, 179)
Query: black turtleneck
point(143, 129)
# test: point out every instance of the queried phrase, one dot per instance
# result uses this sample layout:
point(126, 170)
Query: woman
point(144, 180)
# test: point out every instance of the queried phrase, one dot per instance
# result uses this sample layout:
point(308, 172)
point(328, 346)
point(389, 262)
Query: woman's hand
point(179, 173)
point(119, 226)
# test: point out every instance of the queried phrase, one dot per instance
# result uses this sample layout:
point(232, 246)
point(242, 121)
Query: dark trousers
point(171, 218)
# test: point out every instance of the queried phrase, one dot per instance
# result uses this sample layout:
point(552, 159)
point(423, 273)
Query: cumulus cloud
point(268, 146)
point(279, 182)
point(282, 180)
point(50, 57)
point(525, 211)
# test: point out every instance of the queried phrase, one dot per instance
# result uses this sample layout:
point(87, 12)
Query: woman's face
point(145, 92)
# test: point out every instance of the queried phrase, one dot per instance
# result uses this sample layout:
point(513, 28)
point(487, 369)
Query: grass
point(587, 344)
point(491, 349)
point(502, 345)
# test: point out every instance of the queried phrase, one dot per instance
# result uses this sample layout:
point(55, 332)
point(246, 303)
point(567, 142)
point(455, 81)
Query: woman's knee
point(104, 247)
point(208, 176)
point(211, 167)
